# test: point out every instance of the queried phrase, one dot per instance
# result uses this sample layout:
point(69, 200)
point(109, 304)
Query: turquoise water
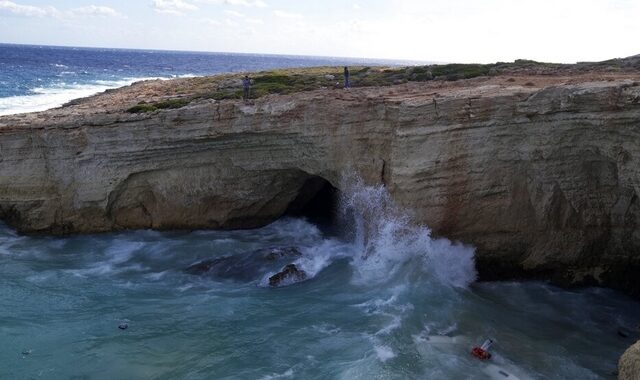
point(386, 303)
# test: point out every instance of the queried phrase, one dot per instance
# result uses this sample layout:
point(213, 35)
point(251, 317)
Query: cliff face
point(542, 178)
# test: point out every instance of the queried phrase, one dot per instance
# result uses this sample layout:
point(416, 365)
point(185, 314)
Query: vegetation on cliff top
point(167, 104)
point(287, 81)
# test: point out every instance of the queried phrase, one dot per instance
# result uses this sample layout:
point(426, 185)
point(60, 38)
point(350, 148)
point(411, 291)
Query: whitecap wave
point(384, 353)
point(44, 98)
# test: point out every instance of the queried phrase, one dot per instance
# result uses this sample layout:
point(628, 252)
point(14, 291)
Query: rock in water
point(277, 253)
point(246, 267)
point(629, 364)
point(290, 274)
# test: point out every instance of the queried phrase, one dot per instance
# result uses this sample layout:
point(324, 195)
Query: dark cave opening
point(317, 201)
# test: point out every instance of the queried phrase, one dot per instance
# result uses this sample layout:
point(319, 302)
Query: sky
point(480, 31)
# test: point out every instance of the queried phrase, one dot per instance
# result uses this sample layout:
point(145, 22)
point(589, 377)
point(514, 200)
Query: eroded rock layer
point(542, 175)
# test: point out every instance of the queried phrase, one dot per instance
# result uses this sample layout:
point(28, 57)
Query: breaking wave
point(383, 242)
point(44, 98)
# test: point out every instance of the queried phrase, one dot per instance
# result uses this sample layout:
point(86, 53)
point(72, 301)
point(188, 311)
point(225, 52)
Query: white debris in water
point(384, 353)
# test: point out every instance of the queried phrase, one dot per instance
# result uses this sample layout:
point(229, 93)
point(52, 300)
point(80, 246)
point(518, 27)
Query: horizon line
point(389, 60)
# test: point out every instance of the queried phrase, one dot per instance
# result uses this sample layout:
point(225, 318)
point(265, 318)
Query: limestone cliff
point(540, 173)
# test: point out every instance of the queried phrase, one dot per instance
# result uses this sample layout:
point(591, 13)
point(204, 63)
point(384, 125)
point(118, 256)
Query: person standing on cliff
point(346, 78)
point(246, 86)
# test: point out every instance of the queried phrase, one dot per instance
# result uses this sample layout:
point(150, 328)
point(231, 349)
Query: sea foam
point(44, 98)
point(386, 239)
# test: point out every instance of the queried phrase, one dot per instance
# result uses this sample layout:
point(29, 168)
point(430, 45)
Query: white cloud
point(211, 22)
point(244, 3)
point(96, 10)
point(236, 19)
point(234, 14)
point(26, 10)
point(231, 23)
point(283, 14)
point(49, 11)
point(176, 7)
point(247, 3)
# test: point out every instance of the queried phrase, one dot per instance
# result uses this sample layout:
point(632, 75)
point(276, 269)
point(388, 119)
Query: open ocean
point(36, 78)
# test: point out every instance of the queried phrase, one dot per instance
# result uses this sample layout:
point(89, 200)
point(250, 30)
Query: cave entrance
point(317, 201)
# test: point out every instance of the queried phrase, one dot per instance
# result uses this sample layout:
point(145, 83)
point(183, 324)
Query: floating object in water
point(486, 344)
point(482, 352)
point(123, 326)
point(624, 332)
point(496, 373)
point(26, 352)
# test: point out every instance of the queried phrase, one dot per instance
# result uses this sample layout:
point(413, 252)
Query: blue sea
point(381, 298)
point(36, 78)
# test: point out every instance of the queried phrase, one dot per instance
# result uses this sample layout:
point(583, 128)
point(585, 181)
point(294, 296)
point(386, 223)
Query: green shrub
point(172, 103)
point(419, 69)
point(225, 94)
point(275, 79)
point(456, 71)
point(142, 108)
point(167, 104)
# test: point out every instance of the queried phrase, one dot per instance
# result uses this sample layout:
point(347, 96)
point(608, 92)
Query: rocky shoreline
point(538, 170)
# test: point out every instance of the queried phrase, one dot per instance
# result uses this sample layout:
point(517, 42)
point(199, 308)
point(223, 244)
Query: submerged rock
point(290, 274)
point(246, 266)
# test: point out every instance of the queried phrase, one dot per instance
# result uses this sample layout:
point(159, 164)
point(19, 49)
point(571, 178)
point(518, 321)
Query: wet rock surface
point(289, 275)
point(247, 266)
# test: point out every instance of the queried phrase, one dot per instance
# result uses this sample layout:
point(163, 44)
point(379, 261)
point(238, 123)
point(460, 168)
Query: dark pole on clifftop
point(346, 78)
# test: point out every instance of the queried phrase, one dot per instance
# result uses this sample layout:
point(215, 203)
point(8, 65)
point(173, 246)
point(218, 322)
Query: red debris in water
point(480, 353)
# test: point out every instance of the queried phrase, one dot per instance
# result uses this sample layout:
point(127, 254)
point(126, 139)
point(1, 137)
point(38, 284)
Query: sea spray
point(386, 239)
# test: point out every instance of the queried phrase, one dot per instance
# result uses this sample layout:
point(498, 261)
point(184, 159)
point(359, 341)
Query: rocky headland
point(536, 165)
